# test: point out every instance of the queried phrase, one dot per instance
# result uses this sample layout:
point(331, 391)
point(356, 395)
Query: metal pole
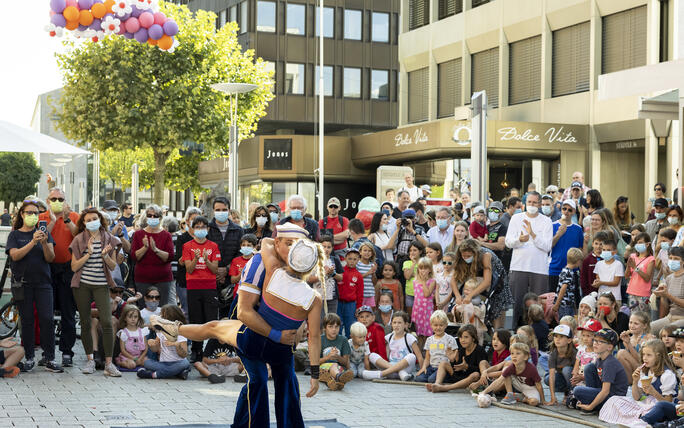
point(96, 179)
point(134, 187)
point(478, 147)
point(321, 119)
point(233, 177)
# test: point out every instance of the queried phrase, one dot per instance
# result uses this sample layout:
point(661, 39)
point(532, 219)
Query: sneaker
point(67, 360)
point(240, 378)
point(42, 362)
point(406, 377)
point(344, 376)
point(570, 401)
point(585, 412)
point(214, 378)
point(28, 365)
point(145, 374)
point(53, 367)
point(111, 370)
point(511, 398)
point(184, 374)
point(168, 328)
point(11, 371)
point(89, 367)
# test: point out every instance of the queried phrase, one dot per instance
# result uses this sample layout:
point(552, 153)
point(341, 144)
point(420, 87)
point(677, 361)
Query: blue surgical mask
point(517, 211)
point(386, 212)
point(659, 216)
point(296, 214)
point(274, 217)
point(201, 233)
point(665, 246)
point(606, 255)
point(221, 216)
point(152, 306)
point(187, 228)
point(546, 209)
point(246, 251)
point(385, 308)
point(384, 227)
point(493, 216)
point(640, 248)
point(93, 225)
point(673, 220)
point(468, 260)
point(442, 223)
point(674, 265)
point(153, 221)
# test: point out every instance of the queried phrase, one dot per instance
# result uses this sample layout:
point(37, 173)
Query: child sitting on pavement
point(523, 377)
point(10, 357)
point(131, 334)
point(218, 362)
point(360, 352)
point(403, 352)
point(471, 359)
point(334, 354)
point(172, 361)
point(375, 336)
point(440, 347)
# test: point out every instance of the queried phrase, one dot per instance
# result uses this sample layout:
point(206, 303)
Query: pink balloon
point(73, 3)
point(132, 25)
point(122, 29)
point(146, 19)
point(159, 18)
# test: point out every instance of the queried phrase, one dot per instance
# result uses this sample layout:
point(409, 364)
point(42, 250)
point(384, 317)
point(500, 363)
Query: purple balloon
point(85, 4)
point(170, 28)
point(57, 5)
point(135, 11)
point(96, 25)
point(82, 28)
point(58, 20)
point(155, 32)
point(125, 17)
point(128, 35)
point(141, 35)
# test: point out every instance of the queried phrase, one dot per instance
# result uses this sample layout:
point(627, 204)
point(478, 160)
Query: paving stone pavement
point(73, 399)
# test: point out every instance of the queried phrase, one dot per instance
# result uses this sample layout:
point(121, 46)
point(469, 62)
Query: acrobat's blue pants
point(252, 407)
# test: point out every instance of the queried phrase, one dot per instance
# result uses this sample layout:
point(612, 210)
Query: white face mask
point(532, 209)
point(261, 221)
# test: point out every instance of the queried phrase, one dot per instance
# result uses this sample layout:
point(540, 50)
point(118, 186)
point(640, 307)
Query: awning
point(664, 106)
point(15, 138)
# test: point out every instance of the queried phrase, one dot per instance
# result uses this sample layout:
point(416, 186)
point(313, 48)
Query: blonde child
point(440, 347)
point(585, 351)
point(172, 361)
point(334, 354)
point(367, 267)
point(470, 361)
point(522, 376)
point(532, 342)
point(390, 282)
point(424, 296)
point(633, 339)
point(444, 291)
point(131, 334)
point(655, 380)
point(360, 352)
point(473, 312)
point(403, 352)
point(668, 339)
point(561, 362)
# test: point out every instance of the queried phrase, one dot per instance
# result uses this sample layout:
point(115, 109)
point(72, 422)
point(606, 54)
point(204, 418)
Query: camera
point(405, 222)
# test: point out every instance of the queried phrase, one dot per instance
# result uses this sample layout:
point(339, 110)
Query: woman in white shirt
point(379, 236)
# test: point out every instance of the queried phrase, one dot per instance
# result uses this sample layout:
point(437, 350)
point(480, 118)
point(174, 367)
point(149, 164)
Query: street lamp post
point(233, 90)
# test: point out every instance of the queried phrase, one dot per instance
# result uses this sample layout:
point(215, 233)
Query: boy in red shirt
point(376, 334)
point(587, 275)
point(350, 290)
point(478, 227)
point(201, 257)
point(248, 244)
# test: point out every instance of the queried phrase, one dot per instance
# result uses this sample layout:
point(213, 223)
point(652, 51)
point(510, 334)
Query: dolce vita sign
point(539, 135)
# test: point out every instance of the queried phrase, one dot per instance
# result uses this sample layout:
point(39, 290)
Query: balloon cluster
point(94, 19)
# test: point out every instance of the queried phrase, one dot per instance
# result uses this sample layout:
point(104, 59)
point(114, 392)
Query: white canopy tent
point(15, 138)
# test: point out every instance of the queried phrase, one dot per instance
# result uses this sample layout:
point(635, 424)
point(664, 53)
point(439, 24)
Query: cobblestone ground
point(72, 399)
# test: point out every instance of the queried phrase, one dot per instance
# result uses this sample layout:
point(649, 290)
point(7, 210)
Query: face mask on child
point(665, 246)
point(640, 247)
point(606, 255)
point(674, 265)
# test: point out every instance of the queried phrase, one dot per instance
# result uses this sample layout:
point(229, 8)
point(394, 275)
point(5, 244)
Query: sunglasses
point(551, 192)
point(153, 297)
point(262, 215)
point(567, 209)
point(447, 263)
point(658, 189)
point(333, 207)
point(56, 199)
point(153, 216)
point(35, 201)
point(31, 212)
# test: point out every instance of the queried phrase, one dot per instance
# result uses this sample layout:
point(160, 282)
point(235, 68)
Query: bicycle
point(9, 312)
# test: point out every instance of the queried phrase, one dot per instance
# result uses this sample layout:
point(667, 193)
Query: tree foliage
point(19, 174)
point(121, 95)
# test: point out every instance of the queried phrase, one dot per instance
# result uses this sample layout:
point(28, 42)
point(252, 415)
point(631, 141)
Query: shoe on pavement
point(345, 376)
point(145, 374)
point(67, 360)
point(89, 367)
point(111, 370)
point(334, 385)
point(184, 374)
point(28, 365)
point(585, 412)
point(240, 378)
point(53, 367)
point(406, 377)
point(168, 328)
point(11, 371)
point(511, 398)
point(214, 378)
point(42, 362)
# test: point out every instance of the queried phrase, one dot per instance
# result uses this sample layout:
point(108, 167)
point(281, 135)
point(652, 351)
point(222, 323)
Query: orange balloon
point(85, 18)
point(108, 4)
point(98, 10)
point(165, 42)
point(70, 13)
point(71, 25)
point(152, 42)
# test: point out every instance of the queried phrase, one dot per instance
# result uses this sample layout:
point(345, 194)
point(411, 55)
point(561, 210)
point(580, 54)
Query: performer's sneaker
point(334, 385)
point(168, 328)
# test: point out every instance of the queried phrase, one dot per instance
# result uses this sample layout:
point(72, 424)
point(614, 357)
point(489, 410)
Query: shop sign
point(551, 135)
point(417, 137)
point(277, 154)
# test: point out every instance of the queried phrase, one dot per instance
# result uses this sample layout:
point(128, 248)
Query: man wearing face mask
point(443, 232)
point(117, 227)
point(548, 209)
point(496, 234)
point(513, 206)
point(530, 236)
point(274, 213)
point(653, 226)
point(61, 224)
point(226, 235)
point(296, 206)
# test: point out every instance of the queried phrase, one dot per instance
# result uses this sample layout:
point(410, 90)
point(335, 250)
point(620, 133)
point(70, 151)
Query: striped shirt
point(93, 271)
point(368, 287)
point(253, 275)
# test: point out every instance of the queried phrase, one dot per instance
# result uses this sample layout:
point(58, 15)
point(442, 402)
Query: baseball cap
point(478, 209)
point(563, 330)
point(678, 333)
point(660, 203)
point(576, 184)
point(545, 196)
point(426, 187)
point(496, 205)
point(591, 325)
point(110, 205)
point(334, 201)
point(274, 206)
point(571, 203)
point(608, 335)
point(364, 308)
point(353, 250)
point(408, 213)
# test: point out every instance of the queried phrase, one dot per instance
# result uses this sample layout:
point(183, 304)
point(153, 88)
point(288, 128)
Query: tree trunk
point(159, 176)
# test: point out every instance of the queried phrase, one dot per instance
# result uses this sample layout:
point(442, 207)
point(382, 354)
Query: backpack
point(329, 232)
point(405, 341)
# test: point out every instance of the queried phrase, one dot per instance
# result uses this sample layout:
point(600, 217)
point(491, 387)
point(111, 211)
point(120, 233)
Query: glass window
point(352, 82)
point(233, 13)
point(380, 85)
point(328, 22)
point(244, 16)
point(352, 24)
point(294, 79)
point(222, 18)
point(327, 80)
point(266, 16)
point(296, 19)
point(380, 27)
point(270, 66)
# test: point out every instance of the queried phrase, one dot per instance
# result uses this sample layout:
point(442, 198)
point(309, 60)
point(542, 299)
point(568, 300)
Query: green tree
point(19, 174)
point(123, 95)
point(117, 166)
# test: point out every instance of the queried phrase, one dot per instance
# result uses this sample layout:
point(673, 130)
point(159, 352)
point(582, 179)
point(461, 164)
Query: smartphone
point(42, 226)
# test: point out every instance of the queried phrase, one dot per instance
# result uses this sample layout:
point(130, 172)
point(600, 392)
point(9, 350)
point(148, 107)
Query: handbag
point(17, 287)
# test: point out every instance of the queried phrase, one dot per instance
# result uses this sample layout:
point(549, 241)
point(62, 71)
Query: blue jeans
point(543, 361)
point(430, 375)
point(586, 394)
point(662, 412)
point(562, 379)
point(346, 312)
point(167, 369)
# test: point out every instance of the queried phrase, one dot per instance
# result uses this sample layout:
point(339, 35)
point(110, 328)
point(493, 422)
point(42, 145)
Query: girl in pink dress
point(424, 303)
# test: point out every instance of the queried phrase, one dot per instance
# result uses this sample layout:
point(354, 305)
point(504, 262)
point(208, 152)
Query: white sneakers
point(89, 367)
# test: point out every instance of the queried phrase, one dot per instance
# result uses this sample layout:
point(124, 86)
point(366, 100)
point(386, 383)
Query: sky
point(27, 63)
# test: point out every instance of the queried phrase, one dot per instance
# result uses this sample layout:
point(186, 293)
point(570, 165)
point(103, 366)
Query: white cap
point(291, 230)
point(563, 329)
point(303, 256)
point(571, 203)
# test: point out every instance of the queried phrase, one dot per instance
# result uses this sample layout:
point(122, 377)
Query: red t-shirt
point(235, 266)
point(477, 230)
point(376, 339)
point(337, 226)
point(500, 357)
point(351, 287)
point(151, 269)
point(587, 275)
point(61, 235)
point(529, 375)
point(201, 278)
